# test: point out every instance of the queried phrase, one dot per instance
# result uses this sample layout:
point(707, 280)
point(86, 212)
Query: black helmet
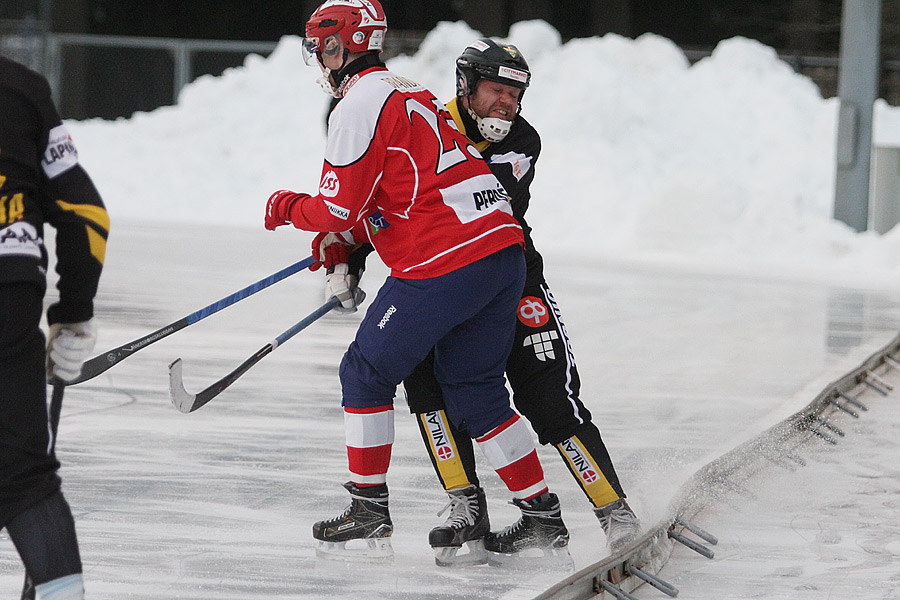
point(487, 59)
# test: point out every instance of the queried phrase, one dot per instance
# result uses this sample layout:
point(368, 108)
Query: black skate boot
point(539, 539)
point(467, 524)
point(367, 518)
point(619, 523)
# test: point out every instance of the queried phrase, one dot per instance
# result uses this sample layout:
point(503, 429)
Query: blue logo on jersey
point(377, 222)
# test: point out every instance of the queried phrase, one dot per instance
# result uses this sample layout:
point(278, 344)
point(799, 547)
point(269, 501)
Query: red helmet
point(357, 26)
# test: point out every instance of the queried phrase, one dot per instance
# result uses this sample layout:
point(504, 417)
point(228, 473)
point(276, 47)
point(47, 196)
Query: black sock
point(44, 536)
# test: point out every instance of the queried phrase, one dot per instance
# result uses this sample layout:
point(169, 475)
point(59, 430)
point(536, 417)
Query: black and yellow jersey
point(42, 182)
point(512, 161)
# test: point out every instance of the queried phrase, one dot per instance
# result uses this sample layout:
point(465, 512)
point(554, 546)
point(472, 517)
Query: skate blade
point(450, 557)
point(373, 550)
point(534, 559)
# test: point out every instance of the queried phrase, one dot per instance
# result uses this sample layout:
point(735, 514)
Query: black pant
point(545, 383)
point(27, 465)
point(541, 371)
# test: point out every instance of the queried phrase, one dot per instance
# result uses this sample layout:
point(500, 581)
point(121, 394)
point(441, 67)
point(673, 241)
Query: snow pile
point(727, 163)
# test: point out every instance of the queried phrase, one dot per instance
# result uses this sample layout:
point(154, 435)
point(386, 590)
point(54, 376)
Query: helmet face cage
point(313, 47)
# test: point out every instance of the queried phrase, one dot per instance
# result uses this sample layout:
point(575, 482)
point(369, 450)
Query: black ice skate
point(366, 519)
point(619, 523)
point(539, 539)
point(467, 525)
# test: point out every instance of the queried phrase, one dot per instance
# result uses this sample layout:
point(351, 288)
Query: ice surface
point(678, 367)
point(685, 215)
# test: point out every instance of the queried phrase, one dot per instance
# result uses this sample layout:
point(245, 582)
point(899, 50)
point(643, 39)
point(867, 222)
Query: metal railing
point(115, 76)
point(182, 52)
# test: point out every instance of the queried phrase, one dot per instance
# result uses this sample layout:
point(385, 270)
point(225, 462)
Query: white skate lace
point(349, 508)
point(511, 529)
point(620, 516)
point(462, 511)
point(341, 516)
point(519, 524)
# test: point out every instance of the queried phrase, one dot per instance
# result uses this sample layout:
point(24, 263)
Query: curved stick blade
point(181, 399)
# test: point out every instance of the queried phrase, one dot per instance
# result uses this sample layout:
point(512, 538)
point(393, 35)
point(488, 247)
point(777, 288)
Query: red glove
point(330, 249)
point(278, 208)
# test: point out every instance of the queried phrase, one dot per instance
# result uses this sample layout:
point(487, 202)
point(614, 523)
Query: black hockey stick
point(187, 403)
point(109, 359)
point(56, 398)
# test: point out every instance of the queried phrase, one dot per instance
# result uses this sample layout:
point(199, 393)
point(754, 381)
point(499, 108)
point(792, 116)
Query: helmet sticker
point(376, 40)
point(511, 50)
point(372, 17)
point(479, 45)
point(513, 74)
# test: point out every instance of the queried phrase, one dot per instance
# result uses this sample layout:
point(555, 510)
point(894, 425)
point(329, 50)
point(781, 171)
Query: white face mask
point(325, 83)
point(492, 129)
point(331, 48)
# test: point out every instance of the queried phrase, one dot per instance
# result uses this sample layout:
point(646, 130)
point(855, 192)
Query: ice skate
point(466, 525)
point(365, 526)
point(538, 540)
point(619, 523)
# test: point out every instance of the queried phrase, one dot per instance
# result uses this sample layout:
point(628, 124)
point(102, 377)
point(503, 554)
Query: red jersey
point(399, 174)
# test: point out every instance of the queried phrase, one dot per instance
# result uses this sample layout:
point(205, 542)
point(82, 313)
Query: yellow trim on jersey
point(98, 245)
point(94, 214)
point(453, 107)
point(450, 470)
point(579, 460)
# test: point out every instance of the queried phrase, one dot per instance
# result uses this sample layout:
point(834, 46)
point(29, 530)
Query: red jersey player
point(398, 174)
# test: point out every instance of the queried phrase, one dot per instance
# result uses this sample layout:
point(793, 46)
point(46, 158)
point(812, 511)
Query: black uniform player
point(491, 78)
point(41, 182)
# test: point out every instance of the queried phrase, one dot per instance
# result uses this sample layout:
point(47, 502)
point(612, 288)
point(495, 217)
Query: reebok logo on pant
point(387, 317)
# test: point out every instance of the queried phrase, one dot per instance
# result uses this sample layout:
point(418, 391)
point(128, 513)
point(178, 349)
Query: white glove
point(339, 282)
point(68, 346)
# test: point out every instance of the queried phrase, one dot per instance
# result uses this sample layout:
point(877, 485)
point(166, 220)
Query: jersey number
point(15, 210)
point(448, 157)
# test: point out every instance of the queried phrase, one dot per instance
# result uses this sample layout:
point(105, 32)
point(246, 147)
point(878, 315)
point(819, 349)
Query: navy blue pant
point(467, 316)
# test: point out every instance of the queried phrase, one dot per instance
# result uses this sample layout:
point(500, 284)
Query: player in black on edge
point(41, 182)
point(491, 78)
